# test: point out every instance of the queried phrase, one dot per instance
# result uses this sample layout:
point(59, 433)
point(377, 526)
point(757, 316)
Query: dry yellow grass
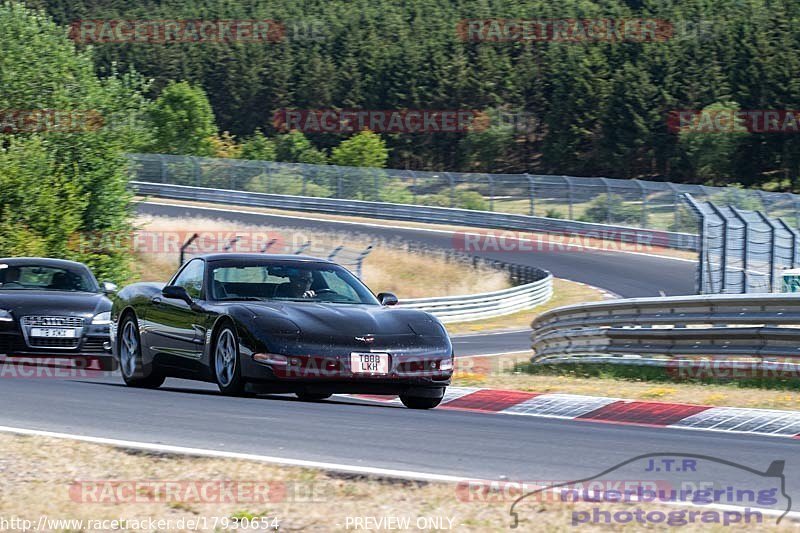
point(386, 269)
point(501, 373)
point(52, 477)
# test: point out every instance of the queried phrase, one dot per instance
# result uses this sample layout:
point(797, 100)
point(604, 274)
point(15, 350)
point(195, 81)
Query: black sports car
point(52, 307)
point(277, 323)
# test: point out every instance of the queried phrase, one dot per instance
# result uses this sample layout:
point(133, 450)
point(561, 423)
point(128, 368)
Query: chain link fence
point(632, 203)
point(742, 251)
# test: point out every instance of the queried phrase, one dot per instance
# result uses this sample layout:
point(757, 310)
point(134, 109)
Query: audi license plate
point(369, 363)
point(53, 333)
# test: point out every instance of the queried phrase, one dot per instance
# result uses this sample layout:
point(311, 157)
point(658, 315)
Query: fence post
point(491, 192)
point(532, 193)
point(163, 161)
point(452, 189)
point(724, 257)
point(360, 261)
point(335, 251)
point(772, 244)
point(745, 250)
point(197, 171)
point(569, 195)
point(186, 245)
point(702, 250)
point(643, 192)
point(793, 233)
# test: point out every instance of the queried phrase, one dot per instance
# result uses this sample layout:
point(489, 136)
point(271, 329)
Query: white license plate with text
point(53, 333)
point(369, 363)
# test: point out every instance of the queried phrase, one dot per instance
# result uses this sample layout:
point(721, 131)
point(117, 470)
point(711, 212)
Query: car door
point(175, 330)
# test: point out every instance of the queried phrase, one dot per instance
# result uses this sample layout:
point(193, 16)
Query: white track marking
point(410, 228)
point(201, 452)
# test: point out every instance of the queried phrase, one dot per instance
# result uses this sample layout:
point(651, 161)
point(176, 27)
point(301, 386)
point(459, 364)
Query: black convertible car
point(52, 307)
point(282, 324)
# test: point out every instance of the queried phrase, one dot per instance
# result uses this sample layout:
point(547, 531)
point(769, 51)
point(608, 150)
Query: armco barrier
point(436, 215)
point(486, 305)
point(721, 326)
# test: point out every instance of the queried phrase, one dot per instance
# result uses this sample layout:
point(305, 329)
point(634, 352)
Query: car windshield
point(49, 278)
point(297, 281)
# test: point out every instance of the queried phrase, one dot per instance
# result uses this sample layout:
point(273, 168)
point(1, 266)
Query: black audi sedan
point(52, 307)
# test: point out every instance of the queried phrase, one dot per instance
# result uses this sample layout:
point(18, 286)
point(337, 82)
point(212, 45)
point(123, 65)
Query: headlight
point(5, 316)
point(102, 319)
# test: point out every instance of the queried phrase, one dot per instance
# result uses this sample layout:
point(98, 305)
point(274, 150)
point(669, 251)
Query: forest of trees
point(590, 108)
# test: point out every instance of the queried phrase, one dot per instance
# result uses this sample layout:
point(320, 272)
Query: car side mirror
point(109, 288)
point(176, 292)
point(387, 298)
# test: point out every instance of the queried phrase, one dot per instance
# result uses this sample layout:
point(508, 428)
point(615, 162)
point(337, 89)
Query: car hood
point(332, 320)
point(53, 303)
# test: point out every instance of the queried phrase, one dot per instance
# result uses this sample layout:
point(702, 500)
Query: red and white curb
point(617, 411)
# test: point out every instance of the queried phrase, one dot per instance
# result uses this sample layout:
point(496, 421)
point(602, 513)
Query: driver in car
point(11, 277)
point(299, 286)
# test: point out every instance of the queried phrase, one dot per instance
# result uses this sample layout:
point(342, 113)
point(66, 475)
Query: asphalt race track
point(464, 444)
point(351, 432)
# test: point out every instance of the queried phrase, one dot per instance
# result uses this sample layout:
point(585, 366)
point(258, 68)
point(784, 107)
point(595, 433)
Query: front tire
point(417, 402)
point(227, 366)
point(134, 372)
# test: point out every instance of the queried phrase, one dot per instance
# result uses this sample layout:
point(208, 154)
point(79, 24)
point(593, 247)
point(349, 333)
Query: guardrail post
point(452, 189)
point(643, 192)
point(772, 244)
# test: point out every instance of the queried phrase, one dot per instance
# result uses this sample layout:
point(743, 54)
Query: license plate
point(369, 363)
point(55, 333)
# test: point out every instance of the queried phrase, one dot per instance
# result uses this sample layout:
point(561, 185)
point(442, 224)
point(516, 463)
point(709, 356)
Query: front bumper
point(408, 374)
point(94, 341)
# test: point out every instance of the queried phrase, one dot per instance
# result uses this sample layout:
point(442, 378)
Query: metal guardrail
point(719, 326)
point(429, 214)
point(452, 309)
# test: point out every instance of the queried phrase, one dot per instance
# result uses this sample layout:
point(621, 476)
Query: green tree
point(258, 147)
point(294, 147)
point(182, 120)
point(364, 149)
point(58, 186)
point(712, 154)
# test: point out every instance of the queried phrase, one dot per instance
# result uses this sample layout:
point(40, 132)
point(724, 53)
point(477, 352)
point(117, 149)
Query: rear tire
point(134, 372)
point(417, 402)
point(226, 363)
point(310, 397)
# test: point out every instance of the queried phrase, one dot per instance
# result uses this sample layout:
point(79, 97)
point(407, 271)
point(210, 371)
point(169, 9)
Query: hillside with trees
point(581, 108)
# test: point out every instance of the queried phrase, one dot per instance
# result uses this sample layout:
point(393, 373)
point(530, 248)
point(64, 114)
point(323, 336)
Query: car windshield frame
point(89, 282)
point(365, 295)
